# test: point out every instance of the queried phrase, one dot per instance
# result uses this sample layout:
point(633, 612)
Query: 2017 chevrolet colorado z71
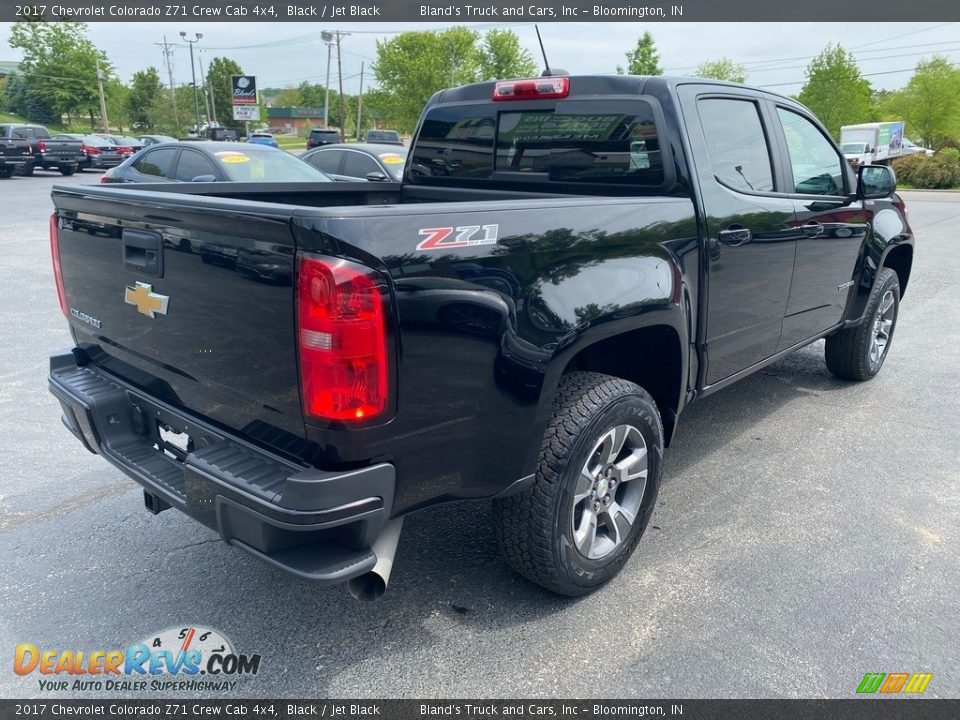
point(568, 262)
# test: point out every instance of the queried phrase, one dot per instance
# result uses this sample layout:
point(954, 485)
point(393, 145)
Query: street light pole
point(193, 73)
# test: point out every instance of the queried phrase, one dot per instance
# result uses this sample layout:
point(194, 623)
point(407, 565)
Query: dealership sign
point(246, 112)
point(244, 90)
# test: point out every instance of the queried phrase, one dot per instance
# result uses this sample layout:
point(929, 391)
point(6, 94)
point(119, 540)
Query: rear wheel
point(6, 172)
point(594, 490)
point(858, 353)
point(27, 170)
point(67, 170)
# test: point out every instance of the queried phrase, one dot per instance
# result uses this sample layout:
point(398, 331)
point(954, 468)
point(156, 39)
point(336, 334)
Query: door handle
point(812, 229)
point(735, 236)
point(143, 252)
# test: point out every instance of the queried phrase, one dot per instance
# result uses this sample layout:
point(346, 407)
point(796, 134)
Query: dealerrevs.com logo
point(190, 658)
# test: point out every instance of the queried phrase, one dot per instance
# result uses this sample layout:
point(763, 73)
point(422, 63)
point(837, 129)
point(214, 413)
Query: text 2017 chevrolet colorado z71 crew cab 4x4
point(568, 262)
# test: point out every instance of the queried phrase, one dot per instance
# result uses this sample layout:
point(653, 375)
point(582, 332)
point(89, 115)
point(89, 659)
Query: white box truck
point(872, 143)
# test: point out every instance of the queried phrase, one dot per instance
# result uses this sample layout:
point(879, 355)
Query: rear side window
point(576, 142)
point(156, 163)
point(736, 143)
point(41, 133)
point(4, 130)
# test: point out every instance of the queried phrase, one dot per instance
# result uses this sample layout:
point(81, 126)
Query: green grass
point(7, 118)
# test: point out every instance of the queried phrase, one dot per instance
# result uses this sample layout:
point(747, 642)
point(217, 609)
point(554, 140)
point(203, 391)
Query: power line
point(896, 37)
point(849, 77)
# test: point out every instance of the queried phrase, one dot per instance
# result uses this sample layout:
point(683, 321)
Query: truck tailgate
point(190, 297)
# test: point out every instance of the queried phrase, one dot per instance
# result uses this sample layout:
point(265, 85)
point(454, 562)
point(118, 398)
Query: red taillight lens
point(124, 151)
point(342, 339)
point(57, 273)
point(42, 146)
point(91, 150)
point(533, 89)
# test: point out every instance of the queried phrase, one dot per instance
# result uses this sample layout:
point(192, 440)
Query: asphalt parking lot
point(808, 532)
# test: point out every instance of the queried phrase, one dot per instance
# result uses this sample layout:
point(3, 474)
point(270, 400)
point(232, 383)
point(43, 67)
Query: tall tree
point(145, 86)
point(59, 65)
point(930, 103)
point(502, 58)
point(219, 74)
point(414, 65)
point(835, 90)
point(643, 59)
point(722, 69)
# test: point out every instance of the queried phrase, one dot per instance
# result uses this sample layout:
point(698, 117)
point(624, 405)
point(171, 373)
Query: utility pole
point(103, 101)
point(327, 38)
point(360, 102)
point(207, 95)
point(168, 62)
point(343, 129)
point(193, 74)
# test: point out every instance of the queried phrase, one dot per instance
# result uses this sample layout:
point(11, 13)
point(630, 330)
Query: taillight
point(342, 339)
point(42, 146)
point(124, 151)
point(57, 272)
point(533, 89)
point(90, 150)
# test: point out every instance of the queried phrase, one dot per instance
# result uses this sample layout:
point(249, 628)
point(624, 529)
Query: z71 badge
point(463, 236)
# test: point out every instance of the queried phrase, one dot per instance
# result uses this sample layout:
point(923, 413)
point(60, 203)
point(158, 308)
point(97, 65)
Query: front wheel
point(6, 172)
point(595, 487)
point(858, 353)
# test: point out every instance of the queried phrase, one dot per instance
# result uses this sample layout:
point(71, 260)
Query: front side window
point(817, 168)
point(736, 143)
point(193, 165)
point(360, 166)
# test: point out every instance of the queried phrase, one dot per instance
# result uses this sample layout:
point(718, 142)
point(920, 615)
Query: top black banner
point(504, 11)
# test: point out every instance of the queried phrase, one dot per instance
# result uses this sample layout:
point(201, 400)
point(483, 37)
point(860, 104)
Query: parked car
point(323, 136)
point(354, 163)
point(527, 323)
point(49, 153)
point(262, 138)
point(146, 140)
point(132, 145)
point(384, 137)
point(98, 152)
point(911, 148)
point(211, 161)
point(16, 152)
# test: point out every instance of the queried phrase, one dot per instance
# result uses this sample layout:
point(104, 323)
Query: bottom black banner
point(853, 709)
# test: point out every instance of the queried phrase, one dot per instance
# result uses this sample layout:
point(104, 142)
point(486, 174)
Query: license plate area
point(172, 442)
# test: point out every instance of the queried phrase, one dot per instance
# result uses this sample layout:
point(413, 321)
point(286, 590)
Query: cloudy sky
point(775, 54)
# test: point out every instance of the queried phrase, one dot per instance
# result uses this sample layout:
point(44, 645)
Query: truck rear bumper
point(314, 524)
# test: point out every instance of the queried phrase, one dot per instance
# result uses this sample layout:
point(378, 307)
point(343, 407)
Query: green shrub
point(937, 172)
point(950, 153)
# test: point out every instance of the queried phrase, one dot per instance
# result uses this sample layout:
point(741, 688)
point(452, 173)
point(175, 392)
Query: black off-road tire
point(27, 170)
point(534, 529)
point(67, 170)
point(847, 352)
point(7, 172)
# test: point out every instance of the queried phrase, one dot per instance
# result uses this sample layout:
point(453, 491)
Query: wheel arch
point(650, 356)
point(899, 258)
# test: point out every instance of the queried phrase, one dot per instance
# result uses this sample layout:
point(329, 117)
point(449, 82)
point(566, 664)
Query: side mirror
point(205, 178)
point(876, 181)
point(376, 177)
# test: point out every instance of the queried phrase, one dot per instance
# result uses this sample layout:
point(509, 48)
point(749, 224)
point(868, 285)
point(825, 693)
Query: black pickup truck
point(61, 153)
point(16, 153)
point(567, 263)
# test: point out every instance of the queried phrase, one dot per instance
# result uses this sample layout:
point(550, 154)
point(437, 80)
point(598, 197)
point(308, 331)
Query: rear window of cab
point(574, 142)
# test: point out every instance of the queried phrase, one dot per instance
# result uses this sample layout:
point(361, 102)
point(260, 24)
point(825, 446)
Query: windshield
point(266, 164)
point(853, 148)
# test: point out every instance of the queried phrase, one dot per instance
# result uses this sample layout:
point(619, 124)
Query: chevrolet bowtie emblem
point(147, 301)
